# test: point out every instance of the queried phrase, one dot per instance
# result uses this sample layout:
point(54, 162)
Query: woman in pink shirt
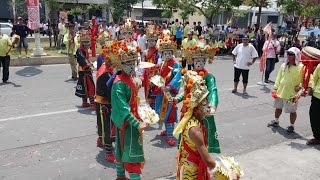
point(272, 48)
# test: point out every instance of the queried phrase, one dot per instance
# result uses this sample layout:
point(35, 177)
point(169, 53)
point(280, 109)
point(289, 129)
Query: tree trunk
point(259, 16)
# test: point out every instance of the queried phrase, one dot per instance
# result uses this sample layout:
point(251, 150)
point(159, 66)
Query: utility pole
point(142, 10)
point(14, 11)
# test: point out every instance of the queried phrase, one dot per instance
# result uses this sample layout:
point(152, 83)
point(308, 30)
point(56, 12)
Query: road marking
point(40, 114)
point(74, 110)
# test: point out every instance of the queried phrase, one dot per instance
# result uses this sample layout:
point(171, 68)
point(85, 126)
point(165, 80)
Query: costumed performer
point(170, 71)
point(106, 128)
point(124, 114)
point(194, 161)
point(69, 41)
point(85, 86)
point(151, 56)
point(200, 54)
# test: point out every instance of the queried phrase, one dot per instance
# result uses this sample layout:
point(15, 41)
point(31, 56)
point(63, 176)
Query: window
point(273, 19)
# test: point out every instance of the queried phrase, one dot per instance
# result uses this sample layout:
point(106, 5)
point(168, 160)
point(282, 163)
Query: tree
point(120, 7)
point(260, 4)
point(305, 8)
point(208, 8)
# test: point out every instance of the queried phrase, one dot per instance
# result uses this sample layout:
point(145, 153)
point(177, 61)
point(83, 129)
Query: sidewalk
point(44, 60)
point(292, 160)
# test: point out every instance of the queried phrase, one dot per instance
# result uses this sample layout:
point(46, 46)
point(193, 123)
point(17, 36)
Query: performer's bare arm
point(196, 136)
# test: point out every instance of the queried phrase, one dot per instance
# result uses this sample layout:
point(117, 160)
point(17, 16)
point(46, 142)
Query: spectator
point(62, 32)
point(22, 30)
point(112, 30)
point(103, 26)
point(188, 42)
point(5, 47)
point(199, 29)
point(186, 29)
point(179, 33)
point(287, 85)
point(260, 39)
point(244, 55)
point(271, 48)
point(141, 40)
point(174, 29)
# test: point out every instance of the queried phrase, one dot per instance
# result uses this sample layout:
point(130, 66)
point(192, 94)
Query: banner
point(33, 14)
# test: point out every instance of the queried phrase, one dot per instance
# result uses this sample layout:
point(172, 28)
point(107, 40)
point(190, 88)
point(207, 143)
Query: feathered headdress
point(118, 52)
point(104, 37)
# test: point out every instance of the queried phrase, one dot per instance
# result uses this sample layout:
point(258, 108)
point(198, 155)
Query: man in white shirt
point(244, 55)
point(112, 30)
point(141, 40)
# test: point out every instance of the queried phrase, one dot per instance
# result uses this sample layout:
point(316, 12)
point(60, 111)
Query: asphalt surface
point(45, 134)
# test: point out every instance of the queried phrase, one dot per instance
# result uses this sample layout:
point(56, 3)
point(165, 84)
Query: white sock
point(277, 120)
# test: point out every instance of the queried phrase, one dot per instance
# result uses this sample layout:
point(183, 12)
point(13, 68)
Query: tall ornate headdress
point(104, 37)
point(85, 35)
point(118, 52)
point(167, 45)
point(196, 86)
point(197, 51)
point(152, 32)
point(128, 26)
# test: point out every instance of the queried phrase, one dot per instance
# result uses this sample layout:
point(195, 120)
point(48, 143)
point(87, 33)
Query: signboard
point(33, 14)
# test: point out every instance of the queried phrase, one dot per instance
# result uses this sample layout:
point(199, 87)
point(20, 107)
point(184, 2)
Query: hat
point(167, 45)
point(245, 37)
point(20, 18)
point(128, 26)
point(197, 51)
point(118, 52)
point(190, 33)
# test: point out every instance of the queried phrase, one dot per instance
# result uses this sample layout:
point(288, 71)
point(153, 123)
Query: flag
point(33, 14)
point(229, 21)
point(268, 28)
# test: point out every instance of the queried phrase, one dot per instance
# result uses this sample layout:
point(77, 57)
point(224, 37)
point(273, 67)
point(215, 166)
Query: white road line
point(74, 110)
point(40, 114)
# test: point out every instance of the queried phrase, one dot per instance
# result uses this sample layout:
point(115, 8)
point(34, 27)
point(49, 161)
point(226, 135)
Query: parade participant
point(200, 55)
point(124, 101)
point(85, 86)
point(151, 56)
point(287, 85)
point(127, 33)
point(170, 71)
point(105, 126)
point(314, 113)
point(69, 41)
point(194, 161)
point(187, 42)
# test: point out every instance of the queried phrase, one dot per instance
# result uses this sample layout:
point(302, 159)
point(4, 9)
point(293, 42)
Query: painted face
point(127, 35)
point(167, 55)
point(205, 107)
point(199, 63)
point(151, 42)
point(129, 67)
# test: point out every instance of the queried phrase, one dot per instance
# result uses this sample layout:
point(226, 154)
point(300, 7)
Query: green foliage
point(305, 8)
point(120, 7)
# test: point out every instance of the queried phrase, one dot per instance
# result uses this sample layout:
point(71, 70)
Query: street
point(45, 134)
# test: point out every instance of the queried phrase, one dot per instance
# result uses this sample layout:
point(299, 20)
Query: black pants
point(184, 64)
point(314, 114)
point(270, 63)
point(4, 63)
point(179, 42)
point(105, 125)
point(238, 72)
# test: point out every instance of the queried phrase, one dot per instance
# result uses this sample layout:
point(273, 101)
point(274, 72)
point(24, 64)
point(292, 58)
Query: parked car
point(6, 28)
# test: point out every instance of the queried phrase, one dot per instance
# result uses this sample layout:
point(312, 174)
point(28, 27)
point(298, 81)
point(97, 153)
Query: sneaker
point(234, 91)
point(273, 123)
point(170, 141)
point(110, 157)
point(290, 129)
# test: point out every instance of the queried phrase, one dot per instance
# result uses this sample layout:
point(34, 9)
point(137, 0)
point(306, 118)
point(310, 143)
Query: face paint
point(129, 67)
point(167, 55)
point(151, 43)
point(199, 63)
point(127, 35)
point(205, 107)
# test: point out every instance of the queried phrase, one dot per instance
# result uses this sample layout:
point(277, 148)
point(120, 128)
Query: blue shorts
point(24, 42)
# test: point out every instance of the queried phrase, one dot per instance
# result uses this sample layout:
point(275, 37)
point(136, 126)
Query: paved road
point(45, 134)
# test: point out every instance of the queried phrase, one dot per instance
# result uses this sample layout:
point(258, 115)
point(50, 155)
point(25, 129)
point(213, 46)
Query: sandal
point(234, 91)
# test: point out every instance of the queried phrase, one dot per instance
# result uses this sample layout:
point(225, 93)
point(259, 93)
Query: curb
point(45, 60)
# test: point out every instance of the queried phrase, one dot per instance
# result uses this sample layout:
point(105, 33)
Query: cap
point(245, 37)
point(190, 33)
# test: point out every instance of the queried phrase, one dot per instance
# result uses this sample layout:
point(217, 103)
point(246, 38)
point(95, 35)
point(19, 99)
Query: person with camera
point(272, 49)
point(5, 47)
